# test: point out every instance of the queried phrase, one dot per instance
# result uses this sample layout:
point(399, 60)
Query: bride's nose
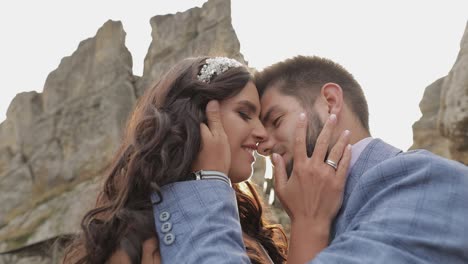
point(259, 132)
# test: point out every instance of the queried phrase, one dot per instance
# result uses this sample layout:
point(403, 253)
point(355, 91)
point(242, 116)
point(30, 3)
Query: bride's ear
point(333, 96)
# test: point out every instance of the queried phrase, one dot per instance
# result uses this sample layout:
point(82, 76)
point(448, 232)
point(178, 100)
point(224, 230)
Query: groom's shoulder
point(382, 166)
point(420, 164)
point(420, 159)
point(416, 179)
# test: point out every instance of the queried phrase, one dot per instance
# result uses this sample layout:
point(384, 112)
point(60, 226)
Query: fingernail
point(274, 157)
point(212, 106)
point(302, 116)
point(332, 117)
point(348, 147)
point(346, 132)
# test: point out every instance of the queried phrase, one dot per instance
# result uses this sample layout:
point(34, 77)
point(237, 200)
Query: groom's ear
point(333, 96)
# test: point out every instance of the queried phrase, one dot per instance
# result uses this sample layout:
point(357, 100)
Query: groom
point(398, 207)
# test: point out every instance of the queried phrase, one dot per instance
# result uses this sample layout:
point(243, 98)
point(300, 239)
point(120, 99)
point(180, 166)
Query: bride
point(202, 115)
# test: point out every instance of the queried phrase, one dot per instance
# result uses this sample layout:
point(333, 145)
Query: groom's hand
point(313, 194)
point(314, 191)
point(215, 153)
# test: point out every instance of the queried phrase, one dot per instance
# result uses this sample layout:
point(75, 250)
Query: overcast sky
point(394, 48)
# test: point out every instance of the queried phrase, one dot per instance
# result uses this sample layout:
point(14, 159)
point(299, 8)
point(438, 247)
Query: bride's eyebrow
point(250, 106)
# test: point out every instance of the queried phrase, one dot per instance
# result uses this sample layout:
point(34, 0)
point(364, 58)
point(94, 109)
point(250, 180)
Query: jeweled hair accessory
point(216, 66)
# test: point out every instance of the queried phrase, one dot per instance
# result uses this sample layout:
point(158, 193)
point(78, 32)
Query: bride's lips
point(250, 150)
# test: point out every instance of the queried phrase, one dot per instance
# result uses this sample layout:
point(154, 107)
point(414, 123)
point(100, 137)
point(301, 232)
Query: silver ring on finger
point(332, 164)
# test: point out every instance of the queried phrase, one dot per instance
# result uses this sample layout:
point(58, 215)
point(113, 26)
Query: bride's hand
point(313, 194)
point(215, 153)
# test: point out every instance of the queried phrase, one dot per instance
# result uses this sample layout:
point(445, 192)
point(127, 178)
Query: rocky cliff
point(443, 128)
point(54, 145)
point(200, 31)
point(57, 141)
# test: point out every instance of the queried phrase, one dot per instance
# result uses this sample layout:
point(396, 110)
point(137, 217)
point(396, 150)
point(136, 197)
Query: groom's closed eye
point(268, 117)
point(244, 115)
point(277, 121)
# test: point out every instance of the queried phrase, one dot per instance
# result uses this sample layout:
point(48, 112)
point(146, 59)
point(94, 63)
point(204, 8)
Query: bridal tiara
point(216, 66)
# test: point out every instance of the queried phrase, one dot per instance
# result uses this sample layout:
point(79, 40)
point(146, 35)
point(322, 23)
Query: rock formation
point(205, 31)
point(425, 132)
point(54, 145)
point(60, 140)
point(443, 128)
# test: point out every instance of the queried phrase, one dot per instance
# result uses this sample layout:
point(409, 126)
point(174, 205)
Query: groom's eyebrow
point(266, 117)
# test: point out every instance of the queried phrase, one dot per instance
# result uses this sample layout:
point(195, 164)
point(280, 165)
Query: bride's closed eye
point(244, 115)
point(246, 109)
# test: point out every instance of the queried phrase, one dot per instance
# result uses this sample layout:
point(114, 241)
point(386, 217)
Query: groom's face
point(279, 115)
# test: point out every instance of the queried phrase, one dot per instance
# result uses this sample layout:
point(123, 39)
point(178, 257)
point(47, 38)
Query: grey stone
point(443, 128)
point(425, 132)
point(55, 145)
point(205, 31)
point(453, 114)
point(67, 134)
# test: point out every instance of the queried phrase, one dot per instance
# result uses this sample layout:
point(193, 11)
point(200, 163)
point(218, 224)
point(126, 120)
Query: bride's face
point(240, 118)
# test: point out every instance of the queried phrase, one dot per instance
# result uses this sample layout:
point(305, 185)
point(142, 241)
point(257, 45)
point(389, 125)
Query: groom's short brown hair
point(302, 77)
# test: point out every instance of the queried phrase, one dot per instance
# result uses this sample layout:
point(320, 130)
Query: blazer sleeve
point(409, 209)
point(198, 222)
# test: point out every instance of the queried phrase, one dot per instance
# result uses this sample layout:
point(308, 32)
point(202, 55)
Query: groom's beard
point(315, 126)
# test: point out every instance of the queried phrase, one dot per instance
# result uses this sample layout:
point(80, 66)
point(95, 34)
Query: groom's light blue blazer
point(398, 207)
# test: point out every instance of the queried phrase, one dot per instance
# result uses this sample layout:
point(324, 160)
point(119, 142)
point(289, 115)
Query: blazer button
point(166, 227)
point(164, 216)
point(169, 239)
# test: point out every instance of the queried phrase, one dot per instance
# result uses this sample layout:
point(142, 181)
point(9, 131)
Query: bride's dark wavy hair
point(161, 140)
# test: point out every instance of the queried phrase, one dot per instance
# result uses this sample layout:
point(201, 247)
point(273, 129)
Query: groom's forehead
point(267, 100)
point(271, 101)
point(274, 102)
point(273, 97)
point(268, 112)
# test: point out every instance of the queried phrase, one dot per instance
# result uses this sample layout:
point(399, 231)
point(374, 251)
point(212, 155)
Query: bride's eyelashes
point(244, 115)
